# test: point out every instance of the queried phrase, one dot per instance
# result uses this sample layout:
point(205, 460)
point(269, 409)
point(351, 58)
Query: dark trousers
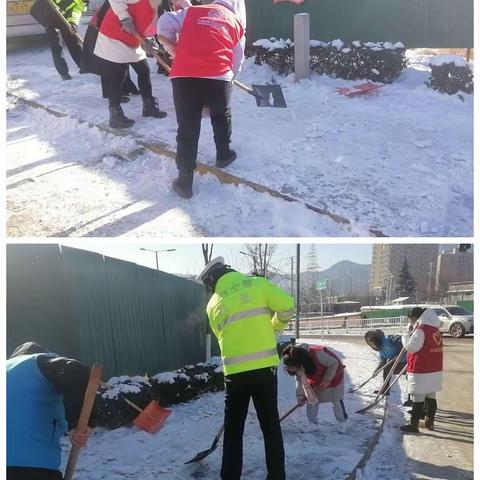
point(118, 75)
point(30, 473)
point(261, 386)
point(54, 36)
point(189, 96)
point(127, 87)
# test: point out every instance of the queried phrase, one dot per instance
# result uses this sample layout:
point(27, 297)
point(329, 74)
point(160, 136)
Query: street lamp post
point(156, 252)
point(297, 317)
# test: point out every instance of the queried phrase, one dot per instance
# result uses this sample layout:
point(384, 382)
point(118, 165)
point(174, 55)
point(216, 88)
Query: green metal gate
point(416, 23)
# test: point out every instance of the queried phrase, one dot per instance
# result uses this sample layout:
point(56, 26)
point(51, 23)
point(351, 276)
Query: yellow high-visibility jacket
point(244, 313)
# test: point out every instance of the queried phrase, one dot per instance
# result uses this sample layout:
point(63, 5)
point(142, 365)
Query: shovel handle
point(134, 405)
point(290, 411)
point(64, 20)
point(244, 88)
point(82, 425)
point(158, 58)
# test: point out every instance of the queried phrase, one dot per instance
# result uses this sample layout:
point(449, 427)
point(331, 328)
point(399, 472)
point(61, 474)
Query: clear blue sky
point(188, 259)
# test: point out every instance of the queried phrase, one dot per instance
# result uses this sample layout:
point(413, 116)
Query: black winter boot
point(118, 118)
point(417, 412)
point(225, 158)
point(150, 108)
point(183, 184)
point(431, 408)
point(411, 427)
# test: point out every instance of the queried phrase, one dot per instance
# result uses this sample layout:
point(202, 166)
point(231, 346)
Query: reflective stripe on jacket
point(244, 313)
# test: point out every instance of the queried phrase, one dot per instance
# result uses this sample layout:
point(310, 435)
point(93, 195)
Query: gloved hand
point(148, 47)
point(73, 28)
point(128, 25)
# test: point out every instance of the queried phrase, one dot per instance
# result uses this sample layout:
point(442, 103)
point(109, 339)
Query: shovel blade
point(200, 456)
point(269, 96)
point(152, 418)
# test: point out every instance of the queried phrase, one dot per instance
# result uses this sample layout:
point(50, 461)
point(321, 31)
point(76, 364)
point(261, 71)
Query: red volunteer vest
point(316, 379)
point(429, 358)
point(142, 14)
point(205, 48)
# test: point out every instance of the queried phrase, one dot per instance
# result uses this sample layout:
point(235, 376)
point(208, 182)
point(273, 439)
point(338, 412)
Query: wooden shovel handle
point(65, 21)
point(158, 58)
point(85, 412)
point(242, 86)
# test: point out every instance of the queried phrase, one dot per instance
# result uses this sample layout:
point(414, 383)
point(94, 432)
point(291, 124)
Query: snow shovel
point(265, 95)
point(151, 418)
point(375, 373)
point(205, 453)
point(384, 394)
point(82, 425)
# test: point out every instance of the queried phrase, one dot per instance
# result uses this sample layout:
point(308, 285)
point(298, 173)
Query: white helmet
point(210, 267)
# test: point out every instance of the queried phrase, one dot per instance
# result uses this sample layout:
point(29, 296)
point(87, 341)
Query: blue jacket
point(35, 416)
point(391, 347)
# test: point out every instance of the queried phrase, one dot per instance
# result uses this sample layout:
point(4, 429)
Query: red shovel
point(151, 418)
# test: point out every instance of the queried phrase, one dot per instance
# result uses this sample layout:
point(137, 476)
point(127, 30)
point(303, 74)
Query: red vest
point(429, 358)
point(205, 48)
point(142, 14)
point(315, 379)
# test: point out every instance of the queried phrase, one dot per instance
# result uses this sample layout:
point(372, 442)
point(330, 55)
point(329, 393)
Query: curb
point(202, 168)
point(371, 447)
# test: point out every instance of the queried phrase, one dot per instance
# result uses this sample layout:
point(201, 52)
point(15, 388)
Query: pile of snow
point(169, 377)
point(440, 60)
point(375, 185)
point(124, 384)
point(274, 44)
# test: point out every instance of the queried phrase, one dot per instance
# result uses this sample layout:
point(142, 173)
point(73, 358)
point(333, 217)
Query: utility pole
point(297, 317)
point(291, 276)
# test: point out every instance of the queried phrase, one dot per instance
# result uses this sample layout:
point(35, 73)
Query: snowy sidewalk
point(128, 453)
point(400, 161)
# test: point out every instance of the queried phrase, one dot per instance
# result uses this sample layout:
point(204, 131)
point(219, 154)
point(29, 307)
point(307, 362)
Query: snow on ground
point(60, 184)
point(400, 160)
point(322, 452)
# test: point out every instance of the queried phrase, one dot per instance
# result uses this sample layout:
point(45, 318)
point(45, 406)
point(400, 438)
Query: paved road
point(446, 453)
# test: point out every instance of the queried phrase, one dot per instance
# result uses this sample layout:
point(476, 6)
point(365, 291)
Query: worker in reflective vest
point(45, 14)
point(245, 313)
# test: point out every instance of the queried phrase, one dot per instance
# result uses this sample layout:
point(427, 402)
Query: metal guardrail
point(313, 325)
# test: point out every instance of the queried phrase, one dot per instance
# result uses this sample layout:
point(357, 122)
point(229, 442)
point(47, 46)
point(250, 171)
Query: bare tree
point(260, 258)
point(207, 250)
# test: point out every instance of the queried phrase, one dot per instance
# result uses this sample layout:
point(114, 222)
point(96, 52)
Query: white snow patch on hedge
point(446, 59)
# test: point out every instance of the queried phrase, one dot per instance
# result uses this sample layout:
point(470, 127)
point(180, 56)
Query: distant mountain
point(345, 278)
